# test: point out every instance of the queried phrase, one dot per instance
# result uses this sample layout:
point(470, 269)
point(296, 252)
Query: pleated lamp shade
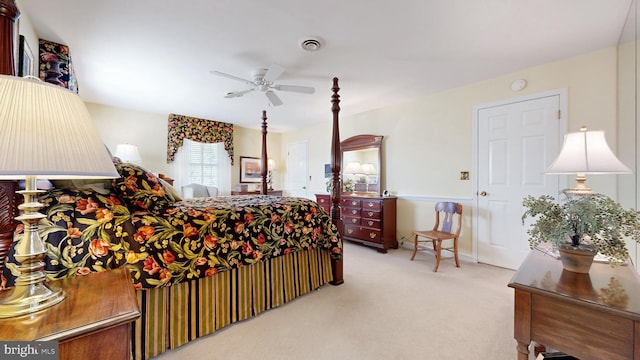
point(46, 131)
point(353, 168)
point(368, 169)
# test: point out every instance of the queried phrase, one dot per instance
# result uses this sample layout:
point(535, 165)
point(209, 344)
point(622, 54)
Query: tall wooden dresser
point(370, 220)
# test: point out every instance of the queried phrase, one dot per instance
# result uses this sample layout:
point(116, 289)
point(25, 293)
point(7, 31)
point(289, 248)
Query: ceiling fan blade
point(273, 98)
point(248, 82)
point(237, 93)
point(294, 88)
point(273, 72)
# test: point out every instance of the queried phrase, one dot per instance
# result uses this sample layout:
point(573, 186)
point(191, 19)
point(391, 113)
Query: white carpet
point(388, 308)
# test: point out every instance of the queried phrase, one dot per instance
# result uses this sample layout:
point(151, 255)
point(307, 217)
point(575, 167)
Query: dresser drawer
point(368, 204)
point(370, 214)
point(351, 220)
point(323, 200)
point(350, 203)
point(351, 212)
point(359, 232)
point(371, 223)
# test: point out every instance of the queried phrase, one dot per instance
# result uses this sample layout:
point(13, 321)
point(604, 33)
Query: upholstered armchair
point(198, 190)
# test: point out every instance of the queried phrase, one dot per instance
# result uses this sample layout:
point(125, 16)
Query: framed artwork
point(250, 170)
point(55, 65)
point(25, 59)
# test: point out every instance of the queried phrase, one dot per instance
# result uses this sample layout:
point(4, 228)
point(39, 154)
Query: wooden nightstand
point(94, 319)
point(165, 178)
point(269, 192)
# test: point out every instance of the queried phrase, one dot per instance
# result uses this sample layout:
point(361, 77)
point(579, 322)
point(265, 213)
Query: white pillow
point(187, 192)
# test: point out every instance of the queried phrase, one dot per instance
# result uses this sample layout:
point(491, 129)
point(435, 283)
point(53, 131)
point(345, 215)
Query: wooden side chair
point(442, 230)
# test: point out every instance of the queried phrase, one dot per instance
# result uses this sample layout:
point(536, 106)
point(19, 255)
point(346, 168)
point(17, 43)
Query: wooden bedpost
point(336, 160)
point(263, 160)
point(9, 200)
point(9, 13)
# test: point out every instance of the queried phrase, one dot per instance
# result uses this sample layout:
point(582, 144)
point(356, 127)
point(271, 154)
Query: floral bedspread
point(86, 231)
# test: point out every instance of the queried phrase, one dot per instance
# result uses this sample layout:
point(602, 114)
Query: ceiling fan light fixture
point(311, 44)
point(263, 81)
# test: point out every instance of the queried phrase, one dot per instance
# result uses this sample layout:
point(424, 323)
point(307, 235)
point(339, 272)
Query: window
point(201, 163)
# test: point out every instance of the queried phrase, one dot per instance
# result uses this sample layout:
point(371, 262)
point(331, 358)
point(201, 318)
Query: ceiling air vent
point(311, 44)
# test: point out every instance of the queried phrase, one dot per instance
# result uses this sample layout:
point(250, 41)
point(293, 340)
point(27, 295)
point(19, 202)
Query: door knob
point(484, 193)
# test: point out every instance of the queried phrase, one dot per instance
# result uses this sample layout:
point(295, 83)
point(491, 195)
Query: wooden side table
point(94, 319)
point(165, 178)
point(269, 192)
point(589, 316)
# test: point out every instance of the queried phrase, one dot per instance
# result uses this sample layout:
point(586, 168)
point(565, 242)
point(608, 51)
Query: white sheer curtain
point(180, 168)
point(224, 171)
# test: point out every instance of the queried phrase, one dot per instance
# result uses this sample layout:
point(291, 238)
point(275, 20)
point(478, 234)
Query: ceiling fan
point(263, 80)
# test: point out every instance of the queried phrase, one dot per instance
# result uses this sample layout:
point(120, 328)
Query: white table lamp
point(45, 132)
point(128, 153)
point(585, 152)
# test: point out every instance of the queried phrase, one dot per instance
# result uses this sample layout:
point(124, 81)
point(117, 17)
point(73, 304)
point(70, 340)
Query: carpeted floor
point(388, 308)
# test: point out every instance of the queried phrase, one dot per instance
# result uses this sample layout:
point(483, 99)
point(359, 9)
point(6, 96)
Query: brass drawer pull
point(370, 213)
point(370, 223)
point(350, 231)
point(372, 235)
point(371, 204)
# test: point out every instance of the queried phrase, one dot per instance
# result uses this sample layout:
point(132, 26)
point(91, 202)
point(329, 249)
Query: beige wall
point(149, 132)
point(428, 141)
point(26, 29)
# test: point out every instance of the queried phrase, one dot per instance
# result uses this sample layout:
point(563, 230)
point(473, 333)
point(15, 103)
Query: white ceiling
point(156, 55)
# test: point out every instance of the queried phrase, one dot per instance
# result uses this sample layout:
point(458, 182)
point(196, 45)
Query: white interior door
point(297, 169)
point(516, 142)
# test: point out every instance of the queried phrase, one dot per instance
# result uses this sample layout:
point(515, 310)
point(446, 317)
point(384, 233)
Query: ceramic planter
point(577, 258)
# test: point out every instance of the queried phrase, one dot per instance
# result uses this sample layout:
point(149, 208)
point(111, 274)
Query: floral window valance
point(205, 131)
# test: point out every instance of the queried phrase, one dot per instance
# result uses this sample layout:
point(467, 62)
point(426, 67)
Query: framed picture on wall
point(25, 58)
point(250, 170)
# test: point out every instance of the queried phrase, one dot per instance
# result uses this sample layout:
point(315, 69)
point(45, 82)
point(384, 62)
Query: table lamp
point(128, 153)
point(368, 170)
point(353, 168)
point(271, 166)
point(45, 132)
point(585, 152)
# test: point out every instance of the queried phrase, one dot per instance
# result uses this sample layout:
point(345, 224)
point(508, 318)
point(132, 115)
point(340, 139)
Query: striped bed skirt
point(175, 315)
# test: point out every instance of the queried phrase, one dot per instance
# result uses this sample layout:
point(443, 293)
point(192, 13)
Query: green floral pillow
point(141, 189)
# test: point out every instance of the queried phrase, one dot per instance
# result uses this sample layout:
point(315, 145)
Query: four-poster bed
point(198, 264)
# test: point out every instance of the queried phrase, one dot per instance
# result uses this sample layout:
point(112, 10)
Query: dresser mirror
point(361, 165)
